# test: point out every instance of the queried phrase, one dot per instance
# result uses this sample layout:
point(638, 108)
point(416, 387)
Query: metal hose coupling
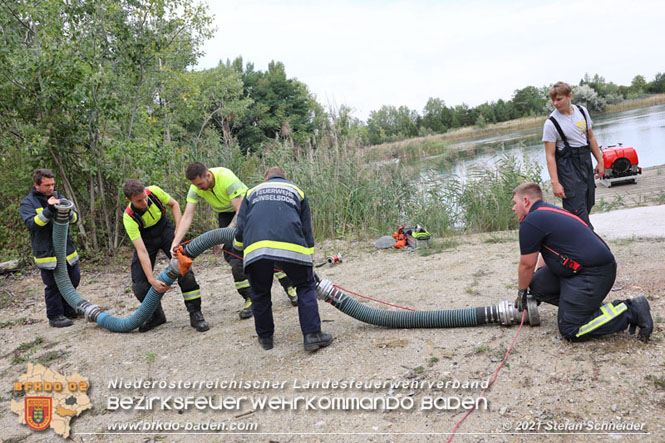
point(91, 311)
point(62, 210)
point(507, 314)
point(326, 291)
point(173, 270)
point(337, 258)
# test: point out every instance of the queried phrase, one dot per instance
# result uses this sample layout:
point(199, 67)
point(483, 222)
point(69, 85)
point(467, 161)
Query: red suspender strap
point(562, 211)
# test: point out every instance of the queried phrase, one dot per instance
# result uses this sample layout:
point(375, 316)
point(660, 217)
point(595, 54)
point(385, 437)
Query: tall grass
point(350, 197)
point(483, 202)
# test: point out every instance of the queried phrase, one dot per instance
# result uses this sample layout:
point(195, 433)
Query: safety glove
point(520, 301)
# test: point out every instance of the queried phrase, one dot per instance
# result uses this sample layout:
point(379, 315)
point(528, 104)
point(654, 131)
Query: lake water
point(643, 129)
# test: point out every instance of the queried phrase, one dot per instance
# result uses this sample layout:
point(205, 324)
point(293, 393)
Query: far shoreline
point(453, 141)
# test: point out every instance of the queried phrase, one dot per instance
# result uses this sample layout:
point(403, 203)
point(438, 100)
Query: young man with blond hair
point(569, 140)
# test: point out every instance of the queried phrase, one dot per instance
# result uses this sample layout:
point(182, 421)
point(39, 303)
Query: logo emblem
point(38, 412)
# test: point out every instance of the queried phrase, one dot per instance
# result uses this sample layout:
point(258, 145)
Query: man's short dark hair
point(275, 170)
point(530, 189)
point(132, 187)
point(41, 173)
point(196, 169)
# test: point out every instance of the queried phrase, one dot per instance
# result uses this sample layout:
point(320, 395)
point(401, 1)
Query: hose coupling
point(325, 289)
point(509, 315)
point(173, 270)
point(91, 311)
point(327, 292)
point(333, 259)
point(63, 209)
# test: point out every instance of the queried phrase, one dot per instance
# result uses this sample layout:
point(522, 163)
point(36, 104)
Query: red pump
point(621, 165)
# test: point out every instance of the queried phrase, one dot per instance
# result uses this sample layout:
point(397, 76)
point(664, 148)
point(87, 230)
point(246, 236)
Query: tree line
point(102, 91)
point(391, 123)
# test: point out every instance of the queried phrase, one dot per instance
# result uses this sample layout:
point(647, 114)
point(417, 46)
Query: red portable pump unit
point(620, 165)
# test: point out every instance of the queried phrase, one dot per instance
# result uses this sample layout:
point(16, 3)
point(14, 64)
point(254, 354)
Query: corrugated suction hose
point(96, 313)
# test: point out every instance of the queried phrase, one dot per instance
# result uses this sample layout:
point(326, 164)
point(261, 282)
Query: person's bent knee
point(140, 289)
point(570, 333)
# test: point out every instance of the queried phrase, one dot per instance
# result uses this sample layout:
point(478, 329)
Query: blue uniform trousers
point(582, 314)
point(56, 304)
point(260, 275)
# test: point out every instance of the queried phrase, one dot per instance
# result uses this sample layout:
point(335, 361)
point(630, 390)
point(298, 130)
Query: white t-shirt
point(573, 126)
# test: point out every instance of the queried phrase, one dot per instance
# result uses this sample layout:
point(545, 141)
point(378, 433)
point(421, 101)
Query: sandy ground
point(556, 390)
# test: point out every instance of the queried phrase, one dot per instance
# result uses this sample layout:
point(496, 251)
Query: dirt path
point(607, 383)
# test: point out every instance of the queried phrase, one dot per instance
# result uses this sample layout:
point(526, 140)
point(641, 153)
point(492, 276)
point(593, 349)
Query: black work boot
point(266, 343)
point(246, 311)
point(640, 317)
point(317, 340)
point(197, 321)
point(157, 318)
point(292, 294)
point(60, 322)
point(72, 313)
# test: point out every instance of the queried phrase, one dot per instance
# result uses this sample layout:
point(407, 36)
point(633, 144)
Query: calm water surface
point(643, 129)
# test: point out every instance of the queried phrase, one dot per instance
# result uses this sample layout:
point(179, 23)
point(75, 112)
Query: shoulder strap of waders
point(586, 122)
point(561, 134)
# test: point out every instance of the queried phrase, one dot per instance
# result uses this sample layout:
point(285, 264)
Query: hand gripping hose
point(152, 299)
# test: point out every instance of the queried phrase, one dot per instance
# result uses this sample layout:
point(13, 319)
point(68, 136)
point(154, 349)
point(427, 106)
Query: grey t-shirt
point(573, 126)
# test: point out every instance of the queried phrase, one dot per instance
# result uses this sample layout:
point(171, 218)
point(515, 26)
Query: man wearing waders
point(569, 139)
point(149, 230)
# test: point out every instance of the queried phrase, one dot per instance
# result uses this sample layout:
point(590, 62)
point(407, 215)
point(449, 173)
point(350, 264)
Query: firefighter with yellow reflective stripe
point(224, 191)
point(578, 274)
point(37, 211)
point(150, 230)
point(275, 230)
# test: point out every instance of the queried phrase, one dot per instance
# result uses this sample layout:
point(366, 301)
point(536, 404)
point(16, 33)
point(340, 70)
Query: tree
point(587, 96)
point(528, 102)
point(638, 84)
point(390, 123)
point(437, 117)
point(281, 108)
point(84, 82)
point(658, 84)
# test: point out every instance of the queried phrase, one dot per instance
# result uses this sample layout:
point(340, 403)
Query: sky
point(368, 53)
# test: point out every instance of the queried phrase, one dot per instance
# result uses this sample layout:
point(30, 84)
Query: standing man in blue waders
point(578, 274)
point(37, 211)
point(224, 192)
point(150, 230)
point(569, 141)
point(275, 230)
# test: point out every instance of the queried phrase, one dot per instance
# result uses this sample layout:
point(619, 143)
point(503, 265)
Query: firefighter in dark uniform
point(37, 211)
point(150, 230)
point(275, 230)
point(569, 142)
point(578, 274)
point(223, 190)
